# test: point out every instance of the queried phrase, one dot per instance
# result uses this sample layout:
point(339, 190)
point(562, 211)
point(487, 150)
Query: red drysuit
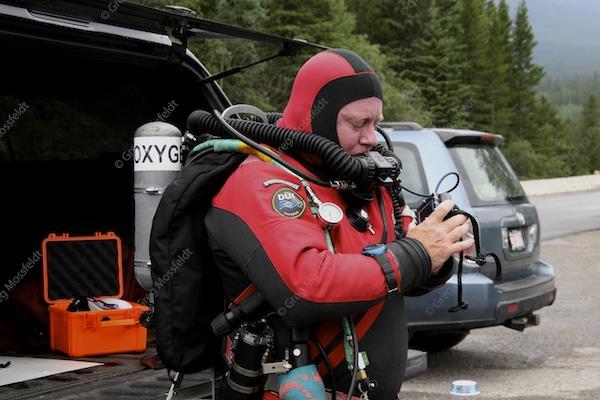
point(261, 230)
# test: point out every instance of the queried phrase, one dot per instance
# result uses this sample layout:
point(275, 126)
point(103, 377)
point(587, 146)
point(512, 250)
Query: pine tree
point(474, 25)
point(438, 75)
point(525, 76)
point(393, 24)
point(496, 89)
point(331, 23)
point(549, 141)
point(585, 148)
point(324, 22)
point(492, 71)
point(590, 116)
point(502, 115)
point(452, 12)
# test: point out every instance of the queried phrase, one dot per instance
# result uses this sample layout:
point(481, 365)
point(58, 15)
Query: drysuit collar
point(326, 83)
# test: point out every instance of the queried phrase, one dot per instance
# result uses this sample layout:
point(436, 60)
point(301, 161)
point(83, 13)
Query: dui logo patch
point(288, 203)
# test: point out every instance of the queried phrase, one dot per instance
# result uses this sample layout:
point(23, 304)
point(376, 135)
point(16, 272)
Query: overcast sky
point(568, 34)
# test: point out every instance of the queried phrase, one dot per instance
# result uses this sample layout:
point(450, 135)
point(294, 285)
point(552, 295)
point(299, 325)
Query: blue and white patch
point(288, 203)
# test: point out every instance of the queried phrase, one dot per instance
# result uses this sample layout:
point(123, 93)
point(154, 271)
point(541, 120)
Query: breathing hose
point(273, 117)
point(358, 169)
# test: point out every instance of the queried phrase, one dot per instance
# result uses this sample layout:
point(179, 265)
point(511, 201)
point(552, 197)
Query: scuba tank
point(156, 162)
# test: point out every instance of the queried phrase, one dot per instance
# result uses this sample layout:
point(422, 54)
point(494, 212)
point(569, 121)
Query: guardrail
point(539, 187)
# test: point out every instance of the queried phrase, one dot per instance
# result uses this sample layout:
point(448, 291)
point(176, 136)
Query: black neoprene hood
point(326, 83)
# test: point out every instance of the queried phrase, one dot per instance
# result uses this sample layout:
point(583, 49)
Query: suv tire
point(436, 341)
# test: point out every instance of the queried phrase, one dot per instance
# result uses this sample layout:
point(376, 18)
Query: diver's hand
point(441, 238)
point(411, 226)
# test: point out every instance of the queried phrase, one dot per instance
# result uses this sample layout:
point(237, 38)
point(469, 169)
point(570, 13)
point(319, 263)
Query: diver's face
point(356, 124)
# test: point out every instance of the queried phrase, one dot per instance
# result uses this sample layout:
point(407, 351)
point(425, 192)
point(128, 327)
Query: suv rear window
point(413, 176)
point(489, 178)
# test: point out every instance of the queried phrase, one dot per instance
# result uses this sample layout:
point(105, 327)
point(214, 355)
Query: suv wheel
point(434, 341)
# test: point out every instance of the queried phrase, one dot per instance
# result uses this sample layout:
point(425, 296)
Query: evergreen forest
point(443, 63)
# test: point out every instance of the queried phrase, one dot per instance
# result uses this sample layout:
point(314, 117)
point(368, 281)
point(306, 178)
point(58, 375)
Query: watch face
point(374, 249)
point(330, 213)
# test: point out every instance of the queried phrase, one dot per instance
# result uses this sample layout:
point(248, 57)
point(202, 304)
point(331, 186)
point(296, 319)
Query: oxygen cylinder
point(156, 162)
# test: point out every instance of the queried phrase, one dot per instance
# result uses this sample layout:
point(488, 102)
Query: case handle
point(118, 322)
point(109, 233)
point(58, 235)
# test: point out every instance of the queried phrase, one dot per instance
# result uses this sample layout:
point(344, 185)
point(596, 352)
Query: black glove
point(434, 281)
point(415, 267)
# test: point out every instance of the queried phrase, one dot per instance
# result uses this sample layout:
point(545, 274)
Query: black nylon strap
point(390, 276)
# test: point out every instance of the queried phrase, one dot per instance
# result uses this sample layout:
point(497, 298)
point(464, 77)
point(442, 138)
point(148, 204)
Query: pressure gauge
point(330, 214)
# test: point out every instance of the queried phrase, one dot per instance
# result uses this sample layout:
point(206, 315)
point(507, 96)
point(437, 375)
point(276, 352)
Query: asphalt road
point(563, 214)
point(560, 359)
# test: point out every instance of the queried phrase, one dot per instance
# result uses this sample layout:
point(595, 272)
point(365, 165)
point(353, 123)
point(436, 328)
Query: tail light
point(505, 243)
point(532, 234)
point(469, 252)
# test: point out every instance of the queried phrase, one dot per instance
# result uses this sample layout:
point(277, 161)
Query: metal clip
point(153, 190)
point(281, 367)
point(370, 228)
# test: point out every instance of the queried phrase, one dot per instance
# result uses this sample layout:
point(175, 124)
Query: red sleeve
point(287, 256)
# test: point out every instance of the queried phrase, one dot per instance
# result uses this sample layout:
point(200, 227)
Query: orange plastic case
point(88, 266)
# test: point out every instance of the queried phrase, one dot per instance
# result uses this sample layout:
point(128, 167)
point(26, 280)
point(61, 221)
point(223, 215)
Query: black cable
point(479, 258)
point(437, 186)
point(415, 193)
point(460, 304)
point(442, 180)
point(498, 276)
point(476, 235)
point(355, 356)
point(386, 137)
point(327, 365)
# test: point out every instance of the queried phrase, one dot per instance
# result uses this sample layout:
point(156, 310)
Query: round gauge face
point(330, 213)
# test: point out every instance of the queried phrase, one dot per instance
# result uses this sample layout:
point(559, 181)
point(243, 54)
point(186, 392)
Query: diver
point(345, 262)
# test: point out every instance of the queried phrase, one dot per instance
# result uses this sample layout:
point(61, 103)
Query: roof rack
point(402, 126)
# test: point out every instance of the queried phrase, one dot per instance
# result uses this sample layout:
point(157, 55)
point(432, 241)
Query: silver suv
point(509, 226)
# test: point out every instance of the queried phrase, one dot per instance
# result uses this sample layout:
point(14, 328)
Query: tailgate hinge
point(179, 39)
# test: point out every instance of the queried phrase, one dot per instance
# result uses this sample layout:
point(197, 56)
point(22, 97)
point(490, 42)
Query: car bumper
point(490, 303)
